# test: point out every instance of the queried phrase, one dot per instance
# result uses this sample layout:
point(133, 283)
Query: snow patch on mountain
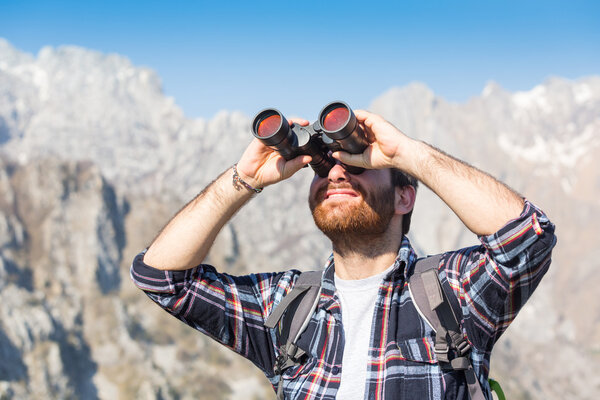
point(535, 98)
point(583, 93)
point(554, 152)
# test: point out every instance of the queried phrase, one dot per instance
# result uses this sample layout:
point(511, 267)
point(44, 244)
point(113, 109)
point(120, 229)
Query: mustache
point(320, 193)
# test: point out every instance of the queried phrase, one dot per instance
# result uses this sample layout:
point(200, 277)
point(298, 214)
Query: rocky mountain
point(95, 159)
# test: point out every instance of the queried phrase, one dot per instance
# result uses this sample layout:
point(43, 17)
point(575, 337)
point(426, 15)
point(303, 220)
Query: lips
point(334, 195)
point(340, 193)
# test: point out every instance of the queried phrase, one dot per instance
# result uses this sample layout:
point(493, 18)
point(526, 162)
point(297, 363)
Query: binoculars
point(335, 129)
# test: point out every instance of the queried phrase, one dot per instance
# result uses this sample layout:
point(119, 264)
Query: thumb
point(357, 160)
point(294, 165)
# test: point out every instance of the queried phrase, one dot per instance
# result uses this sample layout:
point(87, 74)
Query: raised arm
point(185, 241)
point(481, 202)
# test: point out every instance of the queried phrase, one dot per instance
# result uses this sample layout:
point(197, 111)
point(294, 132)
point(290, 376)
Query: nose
point(338, 173)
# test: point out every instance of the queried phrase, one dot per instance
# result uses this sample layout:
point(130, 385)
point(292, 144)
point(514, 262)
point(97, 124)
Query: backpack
point(428, 298)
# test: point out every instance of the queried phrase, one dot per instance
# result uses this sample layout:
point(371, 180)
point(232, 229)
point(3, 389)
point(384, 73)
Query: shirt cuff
point(518, 234)
point(155, 280)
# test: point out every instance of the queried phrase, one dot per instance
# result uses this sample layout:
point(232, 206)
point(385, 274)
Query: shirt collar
point(403, 265)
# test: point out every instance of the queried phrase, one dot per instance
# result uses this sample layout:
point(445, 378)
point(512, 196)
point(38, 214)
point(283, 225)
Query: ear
point(404, 199)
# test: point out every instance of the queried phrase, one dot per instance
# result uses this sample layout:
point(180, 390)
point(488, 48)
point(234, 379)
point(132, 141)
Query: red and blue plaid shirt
point(488, 284)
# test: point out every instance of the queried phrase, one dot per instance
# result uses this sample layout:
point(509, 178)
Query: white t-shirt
point(357, 298)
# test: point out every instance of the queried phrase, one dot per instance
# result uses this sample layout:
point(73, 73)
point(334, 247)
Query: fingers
point(368, 132)
point(298, 121)
point(361, 115)
point(368, 118)
point(257, 145)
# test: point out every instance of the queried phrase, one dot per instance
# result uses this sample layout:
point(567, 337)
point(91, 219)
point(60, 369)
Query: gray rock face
point(95, 159)
point(56, 215)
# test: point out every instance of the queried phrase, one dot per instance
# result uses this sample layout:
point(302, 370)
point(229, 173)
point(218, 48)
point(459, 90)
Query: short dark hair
point(402, 179)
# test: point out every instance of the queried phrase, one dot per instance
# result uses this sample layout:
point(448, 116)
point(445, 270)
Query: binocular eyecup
point(335, 129)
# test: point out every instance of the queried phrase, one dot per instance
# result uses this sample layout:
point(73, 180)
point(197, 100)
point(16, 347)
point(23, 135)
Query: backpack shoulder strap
point(417, 290)
point(300, 303)
point(307, 286)
point(433, 305)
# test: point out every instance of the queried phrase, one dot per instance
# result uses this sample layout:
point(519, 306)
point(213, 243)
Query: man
point(365, 339)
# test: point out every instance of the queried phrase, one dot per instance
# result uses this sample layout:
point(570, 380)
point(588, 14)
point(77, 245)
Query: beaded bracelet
point(239, 181)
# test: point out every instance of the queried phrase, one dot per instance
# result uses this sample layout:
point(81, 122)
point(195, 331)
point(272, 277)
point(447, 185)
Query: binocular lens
point(269, 126)
point(335, 119)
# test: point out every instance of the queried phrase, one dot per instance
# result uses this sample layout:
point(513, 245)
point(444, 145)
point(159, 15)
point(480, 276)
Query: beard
point(371, 216)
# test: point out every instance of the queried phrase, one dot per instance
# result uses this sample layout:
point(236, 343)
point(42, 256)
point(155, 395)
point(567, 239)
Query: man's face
point(347, 204)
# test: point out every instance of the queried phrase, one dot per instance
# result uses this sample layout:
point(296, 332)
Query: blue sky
point(297, 56)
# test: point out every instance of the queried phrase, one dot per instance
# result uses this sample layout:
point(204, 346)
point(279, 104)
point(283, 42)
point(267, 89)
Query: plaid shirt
point(488, 284)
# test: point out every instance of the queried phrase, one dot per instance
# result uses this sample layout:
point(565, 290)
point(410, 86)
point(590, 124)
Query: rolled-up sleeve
point(493, 281)
point(230, 309)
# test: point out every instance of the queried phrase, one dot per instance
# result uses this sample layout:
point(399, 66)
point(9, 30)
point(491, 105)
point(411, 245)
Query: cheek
point(313, 186)
point(311, 195)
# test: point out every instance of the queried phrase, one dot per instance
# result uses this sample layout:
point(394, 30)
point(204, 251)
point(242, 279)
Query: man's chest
point(400, 361)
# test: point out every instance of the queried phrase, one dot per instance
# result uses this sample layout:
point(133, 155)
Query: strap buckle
point(441, 351)
point(463, 347)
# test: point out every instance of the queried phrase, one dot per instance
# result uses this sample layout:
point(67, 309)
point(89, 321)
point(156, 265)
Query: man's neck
point(361, 257)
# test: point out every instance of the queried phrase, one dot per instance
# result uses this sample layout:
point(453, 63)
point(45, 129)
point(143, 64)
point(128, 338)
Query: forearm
point(185, 241)
point(481, 202)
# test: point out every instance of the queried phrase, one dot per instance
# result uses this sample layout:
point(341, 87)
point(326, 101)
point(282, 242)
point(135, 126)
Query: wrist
point(409, 156)
point(243, 181)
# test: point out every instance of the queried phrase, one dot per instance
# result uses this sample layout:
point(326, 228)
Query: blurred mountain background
point(94, 159)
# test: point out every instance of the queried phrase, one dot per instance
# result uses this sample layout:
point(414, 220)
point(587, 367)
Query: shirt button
point(335, 370)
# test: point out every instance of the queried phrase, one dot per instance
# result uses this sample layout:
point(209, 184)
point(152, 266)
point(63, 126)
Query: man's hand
point(262, 166)
point(388, 145)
